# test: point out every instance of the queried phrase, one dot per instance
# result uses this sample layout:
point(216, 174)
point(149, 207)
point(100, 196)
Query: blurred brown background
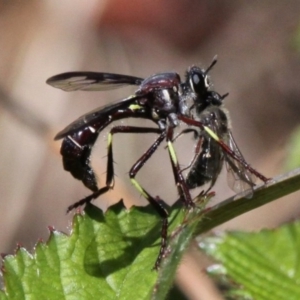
point(258, 64)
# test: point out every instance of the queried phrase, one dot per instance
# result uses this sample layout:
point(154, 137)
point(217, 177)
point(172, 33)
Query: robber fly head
point(197, 81)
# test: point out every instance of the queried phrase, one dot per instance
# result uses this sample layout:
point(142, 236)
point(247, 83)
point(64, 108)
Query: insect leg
point(182, 187)
point(110, 167)
point(198, 145)
point(188, 130)
point(156, 202)
point(225, 147)
point(193, 164)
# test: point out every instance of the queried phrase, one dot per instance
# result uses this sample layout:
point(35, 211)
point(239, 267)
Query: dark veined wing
point(239, 178)
point(91, 81)
point(100, 115)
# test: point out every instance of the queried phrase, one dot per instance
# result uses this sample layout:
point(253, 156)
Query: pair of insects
point(167, 101)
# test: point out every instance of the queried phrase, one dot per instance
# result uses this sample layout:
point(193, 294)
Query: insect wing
point(208, 160)
point(100, 114)
point(91, 81)
point(239, 178)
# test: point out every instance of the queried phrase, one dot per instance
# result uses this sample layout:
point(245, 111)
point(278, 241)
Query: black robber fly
point(162, 98)
point(157, 99)
point(209, 156)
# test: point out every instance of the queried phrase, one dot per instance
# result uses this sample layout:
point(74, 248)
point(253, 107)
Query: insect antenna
point(214, 61)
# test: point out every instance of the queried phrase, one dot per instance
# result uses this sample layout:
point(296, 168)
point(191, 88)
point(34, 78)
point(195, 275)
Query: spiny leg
point(110, 166)
point(183, 191)
point(198, 145)
point(225, 147)
point(157, 203)
point(182, 187)
point(197, 152)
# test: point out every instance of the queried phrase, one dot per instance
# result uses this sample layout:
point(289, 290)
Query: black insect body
point(163, 99)
point(207, 108)
point(78, 142)
point(197, 87)
point(208, 162)
point(209, 157)
point(215, 142)
point(157, 99)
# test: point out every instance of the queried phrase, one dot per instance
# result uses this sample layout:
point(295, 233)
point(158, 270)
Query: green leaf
point(181, 235)
point(107, 256)
point(266, 264)
point(111, 255)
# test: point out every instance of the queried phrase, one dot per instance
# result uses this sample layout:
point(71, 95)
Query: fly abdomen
point(76, 151)
point(207, 165)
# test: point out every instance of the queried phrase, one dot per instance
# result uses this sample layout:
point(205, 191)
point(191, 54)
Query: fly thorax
point(216, 119)
point(166, 101)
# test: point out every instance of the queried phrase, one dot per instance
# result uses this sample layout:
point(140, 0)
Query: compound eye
point(196, 79)
point(199, 83)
